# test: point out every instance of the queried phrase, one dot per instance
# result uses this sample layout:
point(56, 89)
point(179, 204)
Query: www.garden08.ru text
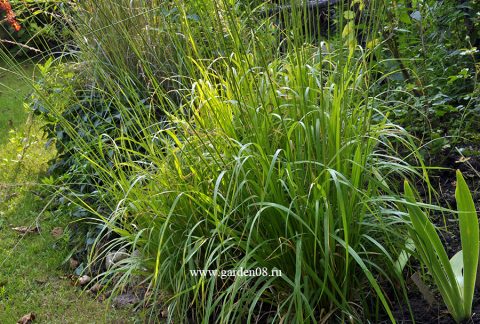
point(257, 272)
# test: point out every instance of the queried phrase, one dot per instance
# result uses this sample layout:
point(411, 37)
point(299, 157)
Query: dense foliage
point(223, 135)
point(433, 51)
point(40, 25)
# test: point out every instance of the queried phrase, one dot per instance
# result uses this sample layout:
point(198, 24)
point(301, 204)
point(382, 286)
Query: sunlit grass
point(236, 145)
point(13, 90)
point(225, 135)
point(32, 271)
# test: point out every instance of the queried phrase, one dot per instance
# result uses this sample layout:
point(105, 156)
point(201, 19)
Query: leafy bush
point(77, 116)
point(431, 58)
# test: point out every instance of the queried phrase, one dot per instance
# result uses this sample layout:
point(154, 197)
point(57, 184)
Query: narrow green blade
point(469, 234)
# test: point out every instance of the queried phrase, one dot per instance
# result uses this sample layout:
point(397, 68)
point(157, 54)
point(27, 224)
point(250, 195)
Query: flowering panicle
point(5, 6)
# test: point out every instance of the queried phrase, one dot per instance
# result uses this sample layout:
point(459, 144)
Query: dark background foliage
point(45, 27)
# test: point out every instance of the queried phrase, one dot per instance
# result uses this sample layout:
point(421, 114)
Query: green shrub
point(430, 57)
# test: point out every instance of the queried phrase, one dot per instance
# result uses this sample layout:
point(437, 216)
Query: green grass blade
point(468, 222)
point(369, 276)
point(434, 255)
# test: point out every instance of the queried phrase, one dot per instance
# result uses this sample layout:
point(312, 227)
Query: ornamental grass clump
point(254, 179)
point(231, 154)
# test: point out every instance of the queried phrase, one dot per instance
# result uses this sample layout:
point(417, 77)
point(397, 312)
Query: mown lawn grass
point(13, 90)
point(32, 278)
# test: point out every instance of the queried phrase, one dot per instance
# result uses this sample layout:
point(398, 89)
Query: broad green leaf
point(373, 43)
point(348, 29)
point(433, 255)
point(404, 256)
point(468, 222)
point(349, 14)
point(405, 18)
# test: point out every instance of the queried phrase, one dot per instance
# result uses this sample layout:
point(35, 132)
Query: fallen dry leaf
point(115, 256)
point(26, 319)
point(165, 313)
point(74, 263)
point(69, 277)
point(104, 296)
point(57, 232)
point(463, 159)
point(101, 298)
point(125, 300)
point(423, 288)
point(26, 229)
point(96, 288)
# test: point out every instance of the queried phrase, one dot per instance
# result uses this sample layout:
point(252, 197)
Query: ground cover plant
point(272, 137)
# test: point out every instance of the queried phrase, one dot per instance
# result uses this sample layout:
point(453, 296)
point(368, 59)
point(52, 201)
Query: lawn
point(13, 90)
point(33, 274)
